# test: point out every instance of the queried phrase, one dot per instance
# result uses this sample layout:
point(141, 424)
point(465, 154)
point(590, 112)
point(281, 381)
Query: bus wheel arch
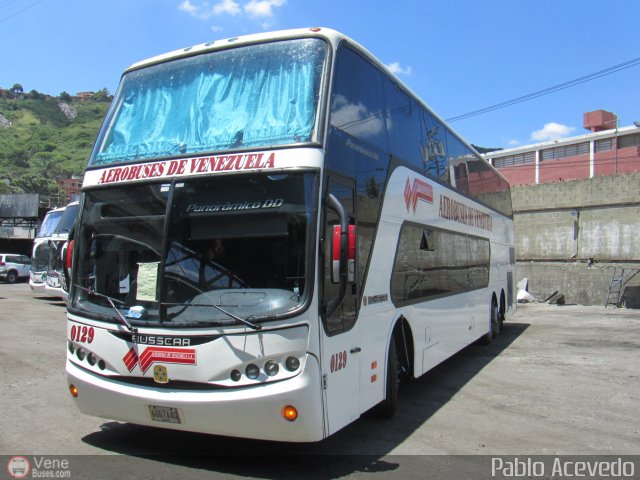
point(403, 337)
point(398, 367)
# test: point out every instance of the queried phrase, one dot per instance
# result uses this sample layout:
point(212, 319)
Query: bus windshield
point(49, 224)
point(255, 96)
point(67, 219)
point(189, 253)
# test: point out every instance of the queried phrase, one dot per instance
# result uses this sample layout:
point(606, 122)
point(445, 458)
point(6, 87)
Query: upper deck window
point(251, 96)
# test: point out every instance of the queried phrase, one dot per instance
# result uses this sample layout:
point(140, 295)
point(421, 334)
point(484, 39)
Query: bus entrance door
point(341, 335)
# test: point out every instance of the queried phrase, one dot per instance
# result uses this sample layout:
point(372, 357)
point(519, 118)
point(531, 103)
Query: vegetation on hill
point(45, 138)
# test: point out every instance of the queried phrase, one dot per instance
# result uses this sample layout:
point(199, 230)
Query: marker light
point(292, 364)
point(71, 348)
point(290, 413)
point(80, 353)
point(252, 371)
point(73, 390)
point(235, 375)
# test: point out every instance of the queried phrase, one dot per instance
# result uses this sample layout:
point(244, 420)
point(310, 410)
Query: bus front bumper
point(255, 412)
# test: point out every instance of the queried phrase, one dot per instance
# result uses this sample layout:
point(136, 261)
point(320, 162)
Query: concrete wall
point(570, 235)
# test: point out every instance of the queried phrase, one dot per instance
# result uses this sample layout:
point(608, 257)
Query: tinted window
point(431, 263)
point(406, 137)
point(357, 104)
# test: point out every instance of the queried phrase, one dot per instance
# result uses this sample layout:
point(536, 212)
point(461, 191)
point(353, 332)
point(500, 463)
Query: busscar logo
point(420, 190)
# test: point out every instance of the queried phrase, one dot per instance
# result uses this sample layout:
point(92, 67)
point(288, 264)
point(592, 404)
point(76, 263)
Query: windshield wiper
point(244, 321)
point(123, 320)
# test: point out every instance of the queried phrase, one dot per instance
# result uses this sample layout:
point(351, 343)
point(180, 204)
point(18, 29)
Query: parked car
point(14, 266)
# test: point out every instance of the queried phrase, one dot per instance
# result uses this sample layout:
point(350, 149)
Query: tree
point(32, 182)
point(17, 89)
point(65, 97)
point(102, 95)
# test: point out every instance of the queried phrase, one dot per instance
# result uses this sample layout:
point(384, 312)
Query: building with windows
point(606, 150)
point(576, 211)
point(71, 188)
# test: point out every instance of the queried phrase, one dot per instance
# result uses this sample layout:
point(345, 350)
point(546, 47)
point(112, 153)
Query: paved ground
point(559, 380)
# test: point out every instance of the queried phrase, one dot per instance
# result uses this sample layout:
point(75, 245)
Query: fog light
point(252, 371)
point(235, 375)
point(271, 368)
point(73, 390)
point(290, 413)
point(80, 353)
point(91, 358)
point(292, 364)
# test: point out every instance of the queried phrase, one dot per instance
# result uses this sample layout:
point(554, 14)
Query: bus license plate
point(164, 414)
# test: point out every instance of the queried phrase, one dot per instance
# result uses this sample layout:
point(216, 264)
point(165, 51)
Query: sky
point(458, 56)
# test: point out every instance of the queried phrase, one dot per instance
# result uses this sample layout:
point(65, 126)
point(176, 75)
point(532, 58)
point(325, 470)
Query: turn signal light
point(69, 259)
point(73, 390)
point(290, 413)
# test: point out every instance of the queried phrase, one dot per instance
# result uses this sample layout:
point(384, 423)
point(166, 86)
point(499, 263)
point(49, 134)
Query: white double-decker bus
point(55, 280)
point(274, 232)
point(41, 250)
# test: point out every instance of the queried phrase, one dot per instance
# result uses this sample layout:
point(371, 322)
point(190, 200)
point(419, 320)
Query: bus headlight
point(91, 358)
point(271, 368)
point(292, 364)
point(252, 371)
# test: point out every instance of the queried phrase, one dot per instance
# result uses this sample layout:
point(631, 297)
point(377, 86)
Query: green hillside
point(45, 138)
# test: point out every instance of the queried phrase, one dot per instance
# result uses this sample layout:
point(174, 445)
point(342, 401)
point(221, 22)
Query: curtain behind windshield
point(259, 95)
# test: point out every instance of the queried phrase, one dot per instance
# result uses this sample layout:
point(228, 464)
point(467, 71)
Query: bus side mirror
point(336, 254)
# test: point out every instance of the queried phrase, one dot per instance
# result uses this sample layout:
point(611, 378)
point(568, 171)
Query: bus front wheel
point(494, 324)
point(387, 407)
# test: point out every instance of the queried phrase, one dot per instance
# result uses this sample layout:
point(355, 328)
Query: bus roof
point(327, 33)
point(333, 36)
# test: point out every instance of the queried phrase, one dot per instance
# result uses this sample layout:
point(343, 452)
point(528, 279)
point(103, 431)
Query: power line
point(20, 11)
point(6, 3)
point(547, 91)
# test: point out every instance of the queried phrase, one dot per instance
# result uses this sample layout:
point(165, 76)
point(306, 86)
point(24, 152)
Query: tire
point(494, 325)
point(387, 408)
point(12, 277)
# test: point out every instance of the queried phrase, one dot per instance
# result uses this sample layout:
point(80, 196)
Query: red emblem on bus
point(151, 355)
point(418, 191)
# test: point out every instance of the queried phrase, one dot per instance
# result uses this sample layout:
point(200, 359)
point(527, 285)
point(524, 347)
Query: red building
point(71, 188)
point(607, 150)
